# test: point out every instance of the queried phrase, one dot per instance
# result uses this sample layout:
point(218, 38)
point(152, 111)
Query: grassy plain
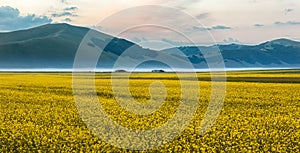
point(261, 113)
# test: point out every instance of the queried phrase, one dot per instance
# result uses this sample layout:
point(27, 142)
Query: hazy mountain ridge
point(276, 53)
point(55, 46)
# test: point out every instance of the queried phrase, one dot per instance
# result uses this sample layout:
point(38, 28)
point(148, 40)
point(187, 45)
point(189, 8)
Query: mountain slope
point(41, 47)
point(55, 46)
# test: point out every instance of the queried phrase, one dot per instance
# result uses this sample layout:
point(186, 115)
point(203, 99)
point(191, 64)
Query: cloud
point(287, 23)
point(202, 16)
point(67, 20)
point(66, 14)
point(187, 2)
point(259, 25)
point(288, 10)
point(11, 20)
point(64, 1)
point(231, 40)
point(218, 27)
point(184, 43)
point(279, 23)
point(200, 28)
point(180, 4)
point(192, 1)
point(73, 8)
point(63, 14)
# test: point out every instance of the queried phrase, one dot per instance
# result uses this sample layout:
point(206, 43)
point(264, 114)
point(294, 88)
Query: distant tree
point(120, 71)
point(159, 71)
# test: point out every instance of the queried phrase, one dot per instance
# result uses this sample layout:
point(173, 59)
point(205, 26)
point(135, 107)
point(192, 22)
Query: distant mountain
point(278, 53)
point(55, 46)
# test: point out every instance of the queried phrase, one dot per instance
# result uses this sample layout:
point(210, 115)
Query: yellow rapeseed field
point(261, 113)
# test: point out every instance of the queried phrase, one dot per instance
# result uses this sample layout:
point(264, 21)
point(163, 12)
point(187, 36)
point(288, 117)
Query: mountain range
point(55, 46)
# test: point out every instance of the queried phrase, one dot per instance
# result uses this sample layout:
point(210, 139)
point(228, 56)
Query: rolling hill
point(55, 46)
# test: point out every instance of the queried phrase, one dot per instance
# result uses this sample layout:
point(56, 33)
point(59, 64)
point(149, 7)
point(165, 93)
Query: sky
point(228, 21)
